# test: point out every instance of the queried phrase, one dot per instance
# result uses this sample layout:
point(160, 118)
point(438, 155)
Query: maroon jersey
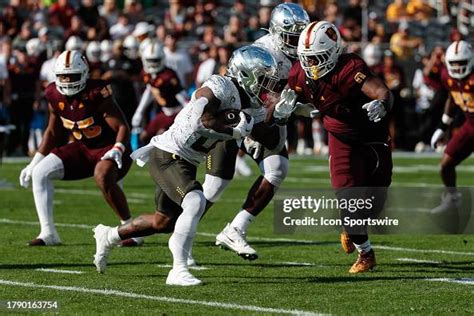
point(462, 92)
point(80, 113)
point(339, 98)
point(164, 86)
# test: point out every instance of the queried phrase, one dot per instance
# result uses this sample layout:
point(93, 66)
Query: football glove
point(440, 132)
point(306, 110)
point(285, 106)
point(115, 154)
point(375, 110)
point(252, 147)
point(244, 128)
point(25, 174)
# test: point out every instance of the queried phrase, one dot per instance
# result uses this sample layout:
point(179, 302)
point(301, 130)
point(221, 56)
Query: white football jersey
point(284, 63)
point(184, 137)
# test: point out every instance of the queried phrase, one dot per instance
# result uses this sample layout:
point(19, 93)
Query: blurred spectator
point(12, 20)
point(210, 37)
point(76, 29)
point(178, 60)
point(419, 10)
point(223, 56)
point(109, 11)
point(353, 11)
point(93, 58)
point(19, 43)
point(100, 31)
point(233, 32)
point(253, 31)
point(134, 11)
point(264, 16)
point(88, 12)
point(396, 11)
point(331, 13)
point(372, 55)
point(122, 28)
point(402, 44)
point(63, 12)
point(350, 30)
point(206, 68)
point(142, 33)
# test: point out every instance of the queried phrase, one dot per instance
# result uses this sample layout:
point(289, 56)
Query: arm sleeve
point(146, 99)
point(353, 76)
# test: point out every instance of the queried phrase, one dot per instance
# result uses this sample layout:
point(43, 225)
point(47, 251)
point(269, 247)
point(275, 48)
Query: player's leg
point(274, 167)
point(460, 146)
point(47, 170)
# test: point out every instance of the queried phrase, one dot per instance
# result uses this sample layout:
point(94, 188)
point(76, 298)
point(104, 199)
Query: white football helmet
point(71, 71)
point(286, 23)
point(153, 57)
point(256, 72)
point(34, 47)
point(75, 43)
point(130, 47)
point(319, 48)
point(93, 52)
point(459, 59)
point(372, 54)
point(106, 50)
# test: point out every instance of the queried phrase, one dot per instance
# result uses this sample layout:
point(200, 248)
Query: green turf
point(395, 287)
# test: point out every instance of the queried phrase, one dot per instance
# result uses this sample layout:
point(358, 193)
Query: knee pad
point(51, 167)
point(274, 169)
point(213, 187)
point(193, 203)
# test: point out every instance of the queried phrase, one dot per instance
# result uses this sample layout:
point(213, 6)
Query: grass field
point(295, 274)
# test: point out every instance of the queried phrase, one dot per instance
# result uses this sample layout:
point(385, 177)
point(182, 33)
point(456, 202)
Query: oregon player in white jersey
point(173, 158)
point(287, 22)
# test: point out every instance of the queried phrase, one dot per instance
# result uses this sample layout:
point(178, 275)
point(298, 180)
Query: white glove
point(244, 128)
point(252, 147)
point(137, 119)
point(375, 110)
point(437, 136)
point(25, 174)
point(286, 105)
point(115, 154)
point(306, 110)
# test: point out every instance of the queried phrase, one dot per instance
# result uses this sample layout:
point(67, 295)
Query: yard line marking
point(302, 264)
point(418, 260)
point(270, 239)
point(189, 267)
point(165, 299)
point(59, 271)
point(468, 281)
point(446, 252)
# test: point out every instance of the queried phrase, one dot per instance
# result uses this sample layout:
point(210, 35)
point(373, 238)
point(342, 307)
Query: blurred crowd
point(403, 41)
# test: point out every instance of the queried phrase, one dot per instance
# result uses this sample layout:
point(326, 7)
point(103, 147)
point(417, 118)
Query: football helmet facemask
point(319, 48)
point(153, 57)
point(286, 24)
point(459, 59)
point(256, 72)
point(71, 71)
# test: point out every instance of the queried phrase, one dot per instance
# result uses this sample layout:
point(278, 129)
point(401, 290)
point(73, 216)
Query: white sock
point(363, 248)
point(113, 236)
point(48, 169)
point(181, 241)
point(126, 221)
point(242, 220)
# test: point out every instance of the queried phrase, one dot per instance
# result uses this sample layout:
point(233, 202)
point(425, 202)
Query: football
point(229, 117)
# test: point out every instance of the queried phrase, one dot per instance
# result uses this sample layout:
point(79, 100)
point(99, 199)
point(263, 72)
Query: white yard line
point(191, 268)
point(60, 271)
point(418, 260)
point(468, 281)
point(297, 264)
point(270, 239)
point(166, 299)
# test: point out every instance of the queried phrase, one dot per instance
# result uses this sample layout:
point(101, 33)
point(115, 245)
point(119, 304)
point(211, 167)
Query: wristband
point(446, 119)
point(120, 147)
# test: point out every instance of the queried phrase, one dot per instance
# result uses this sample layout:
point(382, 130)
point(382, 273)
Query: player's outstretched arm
point(145, 102)
point(443, 126)
point(382, 98)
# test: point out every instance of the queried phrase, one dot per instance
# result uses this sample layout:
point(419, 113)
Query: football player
point(353, 104)
point(175, 155)
point(287, 22)
point(162, 86)
point(458, 79)
point(86, 136)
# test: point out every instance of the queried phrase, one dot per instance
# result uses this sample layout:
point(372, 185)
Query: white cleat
point(132, 242)
point(449, 202)
point(191, 262)
point(103, 247)
point(232, 238)
point(182, 277)
point(49, 240)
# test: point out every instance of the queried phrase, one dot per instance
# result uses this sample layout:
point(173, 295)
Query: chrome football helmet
point(319, 48)
point(153, 57)
point(459, 59)
point(93, 52)
point(75, 43)
point(256, 72)
point(130, 47)
point(71, 71)
point(286, 24)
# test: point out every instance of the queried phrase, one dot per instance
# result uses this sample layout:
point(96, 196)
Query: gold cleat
point(364, 263)
point(346, 243)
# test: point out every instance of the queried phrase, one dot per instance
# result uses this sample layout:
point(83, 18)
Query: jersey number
point(464, 100)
